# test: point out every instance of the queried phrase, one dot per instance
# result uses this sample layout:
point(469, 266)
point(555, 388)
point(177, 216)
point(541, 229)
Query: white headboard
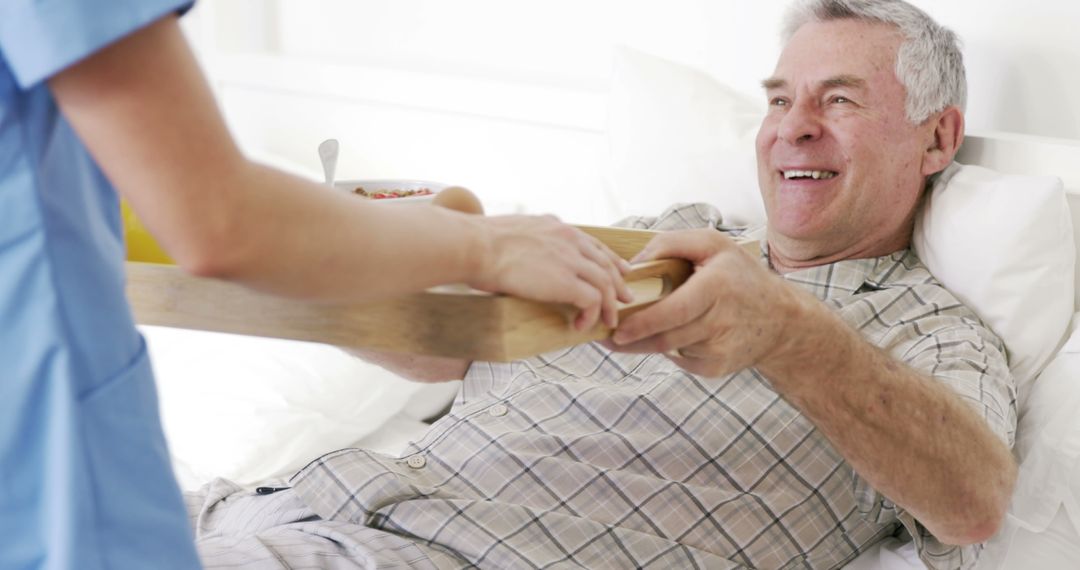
point(1026, 154)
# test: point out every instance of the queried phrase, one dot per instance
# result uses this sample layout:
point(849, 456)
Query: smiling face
point(840, 167)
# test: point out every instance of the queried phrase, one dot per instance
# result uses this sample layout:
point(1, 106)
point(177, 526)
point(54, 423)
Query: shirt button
point(497, 410)
point(416, 461)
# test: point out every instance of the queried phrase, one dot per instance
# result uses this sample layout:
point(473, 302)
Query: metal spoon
point(328, 153)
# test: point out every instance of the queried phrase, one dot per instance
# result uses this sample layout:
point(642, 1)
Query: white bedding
point(889, 554)
point(254, 409)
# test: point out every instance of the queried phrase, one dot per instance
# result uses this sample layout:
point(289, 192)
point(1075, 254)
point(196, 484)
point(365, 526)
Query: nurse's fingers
point(619, 267)
point(540, 258)
point(605, 278)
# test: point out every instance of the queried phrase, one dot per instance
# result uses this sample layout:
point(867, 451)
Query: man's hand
point(728, 316)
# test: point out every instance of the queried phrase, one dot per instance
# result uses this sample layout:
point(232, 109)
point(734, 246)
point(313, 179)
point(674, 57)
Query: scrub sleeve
point(85, 477)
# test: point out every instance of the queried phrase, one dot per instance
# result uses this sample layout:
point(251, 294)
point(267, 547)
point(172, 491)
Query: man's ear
point(947, 135)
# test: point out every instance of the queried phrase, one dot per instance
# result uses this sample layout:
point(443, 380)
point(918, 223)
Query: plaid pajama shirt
point(589, 459)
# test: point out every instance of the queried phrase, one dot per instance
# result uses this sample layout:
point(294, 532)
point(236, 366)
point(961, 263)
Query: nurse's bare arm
point(144, 110)
point(415, 367)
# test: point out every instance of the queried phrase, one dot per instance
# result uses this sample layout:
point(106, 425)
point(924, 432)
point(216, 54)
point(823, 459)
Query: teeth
point(815, 174)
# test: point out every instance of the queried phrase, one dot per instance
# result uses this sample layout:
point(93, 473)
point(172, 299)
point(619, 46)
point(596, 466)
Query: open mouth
point(809, 174)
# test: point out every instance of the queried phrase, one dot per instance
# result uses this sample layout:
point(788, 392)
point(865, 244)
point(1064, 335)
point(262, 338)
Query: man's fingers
point(658, 343)
point(670, 340)
point(694, 245)
point(681, 307)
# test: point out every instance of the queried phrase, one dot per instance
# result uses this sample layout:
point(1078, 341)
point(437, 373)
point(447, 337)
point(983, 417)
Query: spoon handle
point(328, 153)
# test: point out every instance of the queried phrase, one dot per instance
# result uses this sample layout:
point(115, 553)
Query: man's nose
point(801, 123)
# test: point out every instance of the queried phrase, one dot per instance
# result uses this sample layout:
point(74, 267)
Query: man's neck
point(786, 256)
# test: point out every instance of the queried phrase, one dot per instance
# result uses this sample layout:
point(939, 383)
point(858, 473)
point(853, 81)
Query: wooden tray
point(450, 321)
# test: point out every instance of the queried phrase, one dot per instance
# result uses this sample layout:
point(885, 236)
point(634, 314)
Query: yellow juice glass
point(141, 246)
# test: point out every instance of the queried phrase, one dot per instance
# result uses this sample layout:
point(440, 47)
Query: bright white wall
point(1023, 60)
point(509, 97)
point(1023, 57)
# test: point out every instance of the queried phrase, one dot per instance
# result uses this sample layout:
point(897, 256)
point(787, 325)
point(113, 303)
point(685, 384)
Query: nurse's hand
point(539, 257)
point(729, 315)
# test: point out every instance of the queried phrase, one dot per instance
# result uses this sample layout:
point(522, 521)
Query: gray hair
point(929, 64)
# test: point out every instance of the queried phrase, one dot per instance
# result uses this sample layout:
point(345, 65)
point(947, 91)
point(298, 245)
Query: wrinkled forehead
point(848, 48)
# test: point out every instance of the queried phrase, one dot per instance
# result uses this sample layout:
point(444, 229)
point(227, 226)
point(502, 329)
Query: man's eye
point(840, 99)
point(778, 102)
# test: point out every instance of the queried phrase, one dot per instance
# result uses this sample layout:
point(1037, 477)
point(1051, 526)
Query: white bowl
point(390, 185)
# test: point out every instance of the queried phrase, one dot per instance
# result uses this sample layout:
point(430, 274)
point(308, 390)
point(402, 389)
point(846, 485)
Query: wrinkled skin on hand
point(730, 314)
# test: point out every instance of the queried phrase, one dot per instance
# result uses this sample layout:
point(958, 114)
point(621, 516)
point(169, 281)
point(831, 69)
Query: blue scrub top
point(85, 478)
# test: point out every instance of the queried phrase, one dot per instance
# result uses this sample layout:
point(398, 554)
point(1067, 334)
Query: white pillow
point(677, 135)
point(253, 409)
point(1003, 244)
point(1045, 512)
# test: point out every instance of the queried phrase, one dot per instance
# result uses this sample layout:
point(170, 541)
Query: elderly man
point(785, 411)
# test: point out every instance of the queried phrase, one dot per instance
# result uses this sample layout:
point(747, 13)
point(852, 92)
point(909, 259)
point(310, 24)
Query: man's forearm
point(910, 437)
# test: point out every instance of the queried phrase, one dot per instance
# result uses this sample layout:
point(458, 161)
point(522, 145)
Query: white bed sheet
point(889, 554)
point(1057, 547)
point(254, 409)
